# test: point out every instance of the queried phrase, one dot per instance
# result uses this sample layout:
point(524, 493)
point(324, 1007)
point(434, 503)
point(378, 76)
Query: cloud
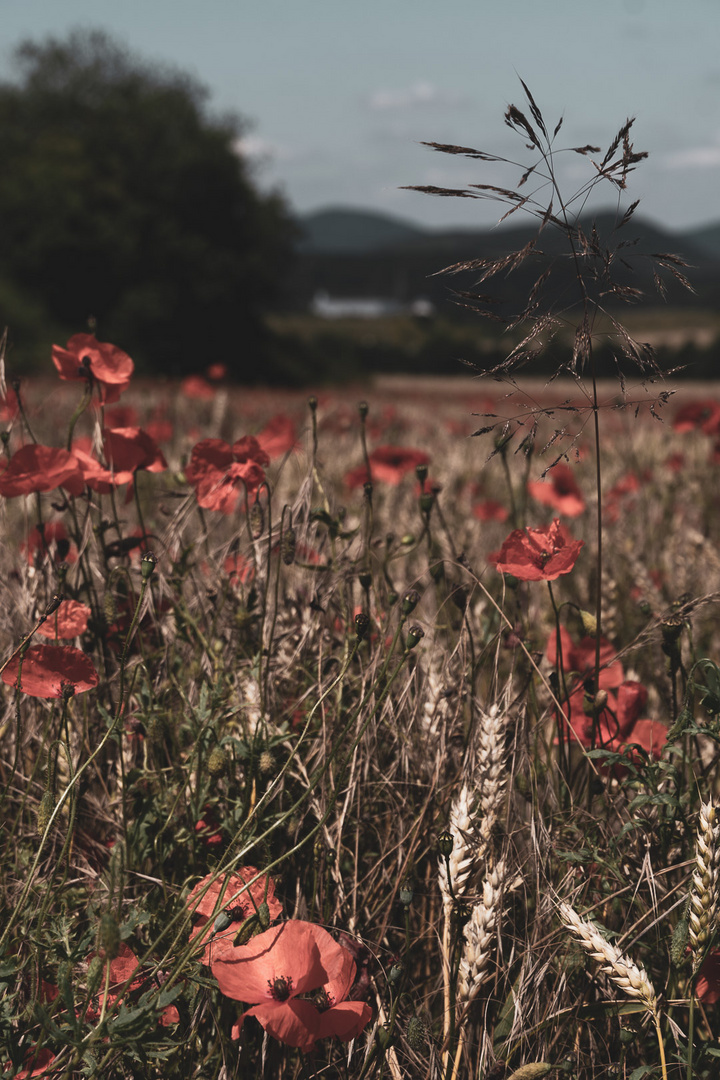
point(420, 94)
point(257, 148)
point(695, 157)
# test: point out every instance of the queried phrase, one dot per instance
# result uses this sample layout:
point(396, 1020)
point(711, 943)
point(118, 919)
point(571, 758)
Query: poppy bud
point(395, 973)
point(257, 520)
point(362, 625)
point(446, 843)
point(266, 762)
point(363, 409)
point(535, 1070)
point(410, 602)
point(110, 608)
point(94, 973)
point(365, 579)
point(109, 936)
point(45, 811)
point(287, 546)
point(147, 565)
point(217, 762)
point(312, 403)
point(417, 1033)
point(414, 635)
point(53, 606)
point(406, 892)
point(593, 704)
point(589, 623)
point(384, 1037)
point(421, 471)
point(222, 921)
point(678, 943)
point(392, 598)
point(427, 501)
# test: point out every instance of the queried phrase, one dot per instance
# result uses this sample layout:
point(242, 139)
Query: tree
point(121, 198)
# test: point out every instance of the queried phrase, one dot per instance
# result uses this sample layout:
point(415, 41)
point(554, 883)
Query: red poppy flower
point(8, 405)
point(36, 1063)
point(70, 619)
point(388, 465)
point(239, 569)
point(616, 497)
point(36, 468)
point(197, 388)
point(129, 449)
point(216, 372)
point(47, 669)
point(95, 475)
point(159, 427)
point(121, 416)
point(232, 896)
point(699, 415)
point(85, 356)
point(580, 657)
point(541, 554)
point(707, 986)
point(559, 490)
point(278, 969)
point(278, 437)
point(123, 967)
point(490, 510)
point(219, 473)
point(53, 541)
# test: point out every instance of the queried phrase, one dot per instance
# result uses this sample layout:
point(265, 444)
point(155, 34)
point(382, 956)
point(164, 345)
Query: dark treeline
point(122, 199)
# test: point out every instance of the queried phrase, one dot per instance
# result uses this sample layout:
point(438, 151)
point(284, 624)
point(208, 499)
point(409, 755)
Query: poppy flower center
point(281, 987)
point(321, 1000)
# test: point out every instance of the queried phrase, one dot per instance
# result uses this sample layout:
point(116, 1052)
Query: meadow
point(314, 760)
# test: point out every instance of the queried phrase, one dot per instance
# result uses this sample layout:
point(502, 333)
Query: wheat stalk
point(623, 971)
point(704, 891)
point(479, 935)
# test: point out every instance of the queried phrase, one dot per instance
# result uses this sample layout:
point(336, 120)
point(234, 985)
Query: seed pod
point(362, 625)
point(147, 565)
point(414, 635)
point(406, 892)
point(410, 602)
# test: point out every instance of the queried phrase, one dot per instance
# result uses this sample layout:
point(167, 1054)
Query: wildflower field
point(365, 734)
point(313, 762)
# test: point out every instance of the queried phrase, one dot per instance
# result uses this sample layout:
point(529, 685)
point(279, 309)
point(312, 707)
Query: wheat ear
point(623, 971)
point(704, 891)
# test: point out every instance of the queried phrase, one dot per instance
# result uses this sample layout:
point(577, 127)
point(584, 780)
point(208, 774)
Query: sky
point(338, 95)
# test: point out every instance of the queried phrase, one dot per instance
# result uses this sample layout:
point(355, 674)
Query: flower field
point(357, 734)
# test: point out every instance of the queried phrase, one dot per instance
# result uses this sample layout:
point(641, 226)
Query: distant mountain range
point(347, 252)
point(348, 231)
